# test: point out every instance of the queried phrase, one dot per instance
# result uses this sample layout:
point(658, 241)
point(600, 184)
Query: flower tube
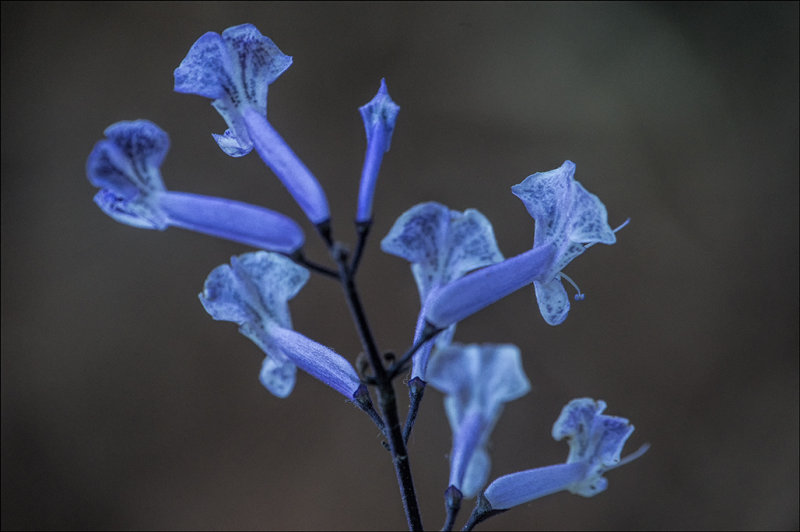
point(234, 69)
point(126, 168)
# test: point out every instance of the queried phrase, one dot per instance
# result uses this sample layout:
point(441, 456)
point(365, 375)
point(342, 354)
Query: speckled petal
point(441, 244)
point(553, 301)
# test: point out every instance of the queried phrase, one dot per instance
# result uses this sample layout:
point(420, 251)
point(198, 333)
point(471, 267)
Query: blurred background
point(124, 406)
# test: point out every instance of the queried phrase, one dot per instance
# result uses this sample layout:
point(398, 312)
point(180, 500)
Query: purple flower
point(595, 443)
point(254, 292)
point(235, 69)
point(126, 168)
point(442, 245)
point(379, 116)
point(567, 217)
point(476, 380)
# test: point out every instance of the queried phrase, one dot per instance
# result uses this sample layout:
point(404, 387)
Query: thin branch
point(386, 395)
point(400, 366)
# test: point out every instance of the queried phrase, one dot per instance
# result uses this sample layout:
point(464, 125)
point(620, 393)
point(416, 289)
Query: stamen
point(623, 224)
point(633, 456)
point(580, 296)
point(626, 222)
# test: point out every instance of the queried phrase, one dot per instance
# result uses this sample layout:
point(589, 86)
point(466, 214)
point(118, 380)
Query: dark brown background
point(125, 406)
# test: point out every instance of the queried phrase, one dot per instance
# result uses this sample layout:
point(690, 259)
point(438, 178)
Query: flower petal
point(255, 288)
point(594, 439)
point(588, 222)
point(553, 301)
point(317, 360)
point(239, 65)
point(441, 244)
point(278, 374)
point(234, 70)
point(547, 197)
point(126, 168)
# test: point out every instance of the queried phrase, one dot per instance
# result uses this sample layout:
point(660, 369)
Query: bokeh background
point(124, 406)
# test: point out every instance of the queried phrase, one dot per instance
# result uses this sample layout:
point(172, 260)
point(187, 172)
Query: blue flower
point(568, 220)
point(567, 217)
point(476, 380)
point(126, 168)
point(234, 70)
point(595, 442)
point(379, 116)
point(442, 245)
point(254, 292)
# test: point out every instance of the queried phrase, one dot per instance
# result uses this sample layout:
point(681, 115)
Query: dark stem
point(300, 259)
point(452, 503)
point(364, 402)
point(362, 228)
point(400, 366)
point(386, 396)
point(416, 389)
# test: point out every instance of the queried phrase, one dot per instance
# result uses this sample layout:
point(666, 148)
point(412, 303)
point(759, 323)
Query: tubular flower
point(126, 168)
point(234, 69)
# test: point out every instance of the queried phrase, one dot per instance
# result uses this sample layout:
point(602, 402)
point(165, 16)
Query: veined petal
point(317, 360)
point(595, 442)
point(255, 288)
point(547, 197)
point(567, 217)
point(592, 437)
point(379, 117)
point(553, 301)
point(238, 65)
point(441, 244)
point(278, 374)
point(588, 222)
point(233, 220)
point(126, 169)
point(205, 70)
point(235, 70)
point(253, 291)
point(466, 296)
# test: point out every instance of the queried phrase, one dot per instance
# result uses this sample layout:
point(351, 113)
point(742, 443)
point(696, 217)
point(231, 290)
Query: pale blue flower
point(235, 69)
point(442, 245)
point(476, 380)
point(568, 220)
point(567, 217)
point(595, 443)
point(126, 168)
point(379, 116)
point(254, 292)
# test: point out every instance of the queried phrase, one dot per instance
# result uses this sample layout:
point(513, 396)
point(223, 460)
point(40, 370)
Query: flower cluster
point(454, 258)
